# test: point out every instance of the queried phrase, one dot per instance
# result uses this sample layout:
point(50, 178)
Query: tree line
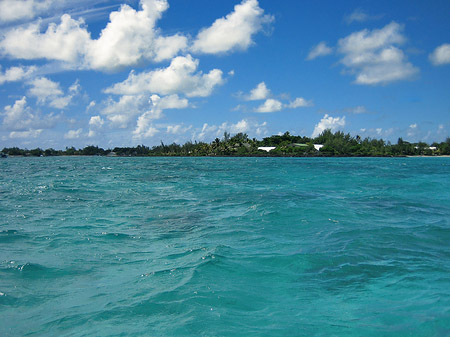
point(334, 145)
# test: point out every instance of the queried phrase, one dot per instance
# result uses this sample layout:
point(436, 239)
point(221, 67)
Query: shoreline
point(225, 156)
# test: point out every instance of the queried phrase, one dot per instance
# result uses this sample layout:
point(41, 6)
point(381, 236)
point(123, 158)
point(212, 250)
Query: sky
point(129, 72)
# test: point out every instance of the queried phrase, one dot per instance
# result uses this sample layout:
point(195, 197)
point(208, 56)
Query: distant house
point(266, 148)
point(318, 146)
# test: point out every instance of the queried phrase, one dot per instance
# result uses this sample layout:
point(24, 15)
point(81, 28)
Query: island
point(327, 144)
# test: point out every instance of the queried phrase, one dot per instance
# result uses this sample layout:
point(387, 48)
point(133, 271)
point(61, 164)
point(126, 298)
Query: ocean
point(97, 246)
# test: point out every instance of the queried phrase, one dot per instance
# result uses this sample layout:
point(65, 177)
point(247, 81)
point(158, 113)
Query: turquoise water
point(94, 246)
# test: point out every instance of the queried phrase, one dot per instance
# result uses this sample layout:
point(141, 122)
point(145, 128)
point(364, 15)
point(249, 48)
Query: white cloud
point(235, 31)
point(320, 50)
point(75, 88)
point(47, 91)
point(358, 15)
point(91, 105)
point(43, 88)
point(131, 37)
point(412, 131)
point(357, 110)
point(63, 42)
point(19, 117)
point(299, 102)
point(259, 93)
point(178, 129)
point(179, 77)
point(12, 10)
point(377, 132)
point(209, 132)
point(270, 105)
point(73, 134)
point(144, 127)
point(128, 39)
point(121, 112)
point(441, 55)
point(14, 74)
point(96, 121)
point(328, 122)
point(169, 102)
point(25, 134)
point(374, 57)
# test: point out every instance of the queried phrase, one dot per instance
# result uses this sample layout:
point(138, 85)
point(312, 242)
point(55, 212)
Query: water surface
point(224, 246)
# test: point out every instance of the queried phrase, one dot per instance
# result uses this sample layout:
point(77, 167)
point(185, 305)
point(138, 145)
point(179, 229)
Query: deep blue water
point(95, 246)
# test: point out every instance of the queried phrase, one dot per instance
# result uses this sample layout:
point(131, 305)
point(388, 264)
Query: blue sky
point(128, 72)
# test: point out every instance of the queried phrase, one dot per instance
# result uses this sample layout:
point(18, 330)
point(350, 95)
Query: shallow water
point(224, 246)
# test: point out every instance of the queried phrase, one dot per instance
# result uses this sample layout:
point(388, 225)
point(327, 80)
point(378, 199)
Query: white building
point(266, 148)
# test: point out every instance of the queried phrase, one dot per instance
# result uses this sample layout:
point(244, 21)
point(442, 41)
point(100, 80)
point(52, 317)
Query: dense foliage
point(334, 144)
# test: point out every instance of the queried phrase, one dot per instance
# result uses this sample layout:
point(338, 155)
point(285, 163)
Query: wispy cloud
point(319, 50)
point(359, 16)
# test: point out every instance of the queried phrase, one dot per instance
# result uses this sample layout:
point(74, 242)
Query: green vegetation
point(334, 145)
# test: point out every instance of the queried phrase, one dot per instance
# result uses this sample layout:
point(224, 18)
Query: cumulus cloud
point(320, 50)
point(259, 93)
point(95, 123)
point(15, 74)
point(12, 10)
point(73, 134)
point(270, 105)
point(121, 112)
point(179, 77)
point(146, 109)
point(20, 118)
point(48, 92)
point(299, 102)
point(64, 42)
point(441, 55)
point(129, 38)
point(373, 56)
point(178, 129)
point(144, 127)
point(235, 31)
point(328, 122)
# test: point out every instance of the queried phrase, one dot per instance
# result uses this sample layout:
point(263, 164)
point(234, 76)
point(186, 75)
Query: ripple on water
point(224, 246)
